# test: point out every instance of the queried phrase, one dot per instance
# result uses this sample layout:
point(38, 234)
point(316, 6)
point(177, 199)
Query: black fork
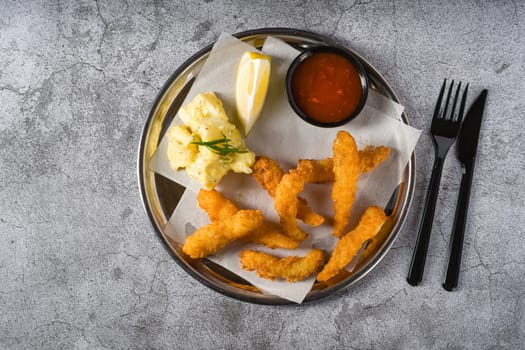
point(444, 129)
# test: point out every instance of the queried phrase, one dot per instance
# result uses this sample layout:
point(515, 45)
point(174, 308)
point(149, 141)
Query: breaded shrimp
point(209, 239)
point(321, 170)
point(348, 246)
point(291, 268)
point(269, 174)
point(346, 172)
point(219, 207)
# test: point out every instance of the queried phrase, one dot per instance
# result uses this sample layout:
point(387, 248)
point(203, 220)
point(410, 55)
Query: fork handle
point(458, 229)
point(417, 266)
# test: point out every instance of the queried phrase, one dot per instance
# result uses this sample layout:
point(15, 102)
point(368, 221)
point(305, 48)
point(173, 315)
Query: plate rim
point(277, 300)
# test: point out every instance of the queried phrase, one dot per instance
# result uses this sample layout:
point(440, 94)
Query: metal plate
point(160, 195)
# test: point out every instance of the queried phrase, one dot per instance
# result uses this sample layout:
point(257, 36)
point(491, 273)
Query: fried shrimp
point(306, 214)
point(219, 207)
point(272, 236)
point(286, 203)
point(378, 239)
point(209, 239)
point(321, 170)
point(371, 156)
point(291, 268)
point(216, 205)
point(368, 227)
point(316, 171)
point(268, 174)
point(346, 171)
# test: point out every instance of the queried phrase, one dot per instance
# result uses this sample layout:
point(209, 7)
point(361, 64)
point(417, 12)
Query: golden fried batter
point(316, 171)
point(306, 214)
point(209, 239)
point(215, 204)
point(286, 203)
point(348, 246)
point(378, 240)
point(220, 208)
point(272, 236)
point(291, 268)
point(371, 156)
point(346, 172)
point(321, 170)
point(268, 174)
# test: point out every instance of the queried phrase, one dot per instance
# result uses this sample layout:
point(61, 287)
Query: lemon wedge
point(251, 85)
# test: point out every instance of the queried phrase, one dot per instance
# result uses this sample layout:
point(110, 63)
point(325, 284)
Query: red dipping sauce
point(326, 87)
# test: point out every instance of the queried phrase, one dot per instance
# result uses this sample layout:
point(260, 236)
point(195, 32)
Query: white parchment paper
point(282, 135)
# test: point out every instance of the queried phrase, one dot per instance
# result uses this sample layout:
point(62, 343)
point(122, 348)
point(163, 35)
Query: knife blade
point(467, 145)
point(469, 133)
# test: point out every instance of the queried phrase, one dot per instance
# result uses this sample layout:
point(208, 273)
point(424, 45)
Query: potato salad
point(208, 146)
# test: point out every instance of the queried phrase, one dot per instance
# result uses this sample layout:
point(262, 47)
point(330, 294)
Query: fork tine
point(438, 103)
point(444, 115)
point(462, 105)
point(452, 119)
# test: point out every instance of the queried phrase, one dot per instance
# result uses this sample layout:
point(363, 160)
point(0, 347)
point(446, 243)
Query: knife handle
point(458, 229)
point(417, 265)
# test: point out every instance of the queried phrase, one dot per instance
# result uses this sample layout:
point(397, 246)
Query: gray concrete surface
point(80, 265)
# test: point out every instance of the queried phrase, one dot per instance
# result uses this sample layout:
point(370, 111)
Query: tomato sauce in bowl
point(326, 86)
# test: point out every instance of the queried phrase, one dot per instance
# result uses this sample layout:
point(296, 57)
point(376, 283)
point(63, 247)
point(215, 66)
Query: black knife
point(467, 144)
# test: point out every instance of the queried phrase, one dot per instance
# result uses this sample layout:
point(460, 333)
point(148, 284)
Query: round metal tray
point(160, 195)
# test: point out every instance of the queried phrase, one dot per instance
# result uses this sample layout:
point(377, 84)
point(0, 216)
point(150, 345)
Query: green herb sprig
point(220, 146)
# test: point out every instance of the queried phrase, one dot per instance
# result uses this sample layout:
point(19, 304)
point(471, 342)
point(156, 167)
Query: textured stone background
point(80, 265)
